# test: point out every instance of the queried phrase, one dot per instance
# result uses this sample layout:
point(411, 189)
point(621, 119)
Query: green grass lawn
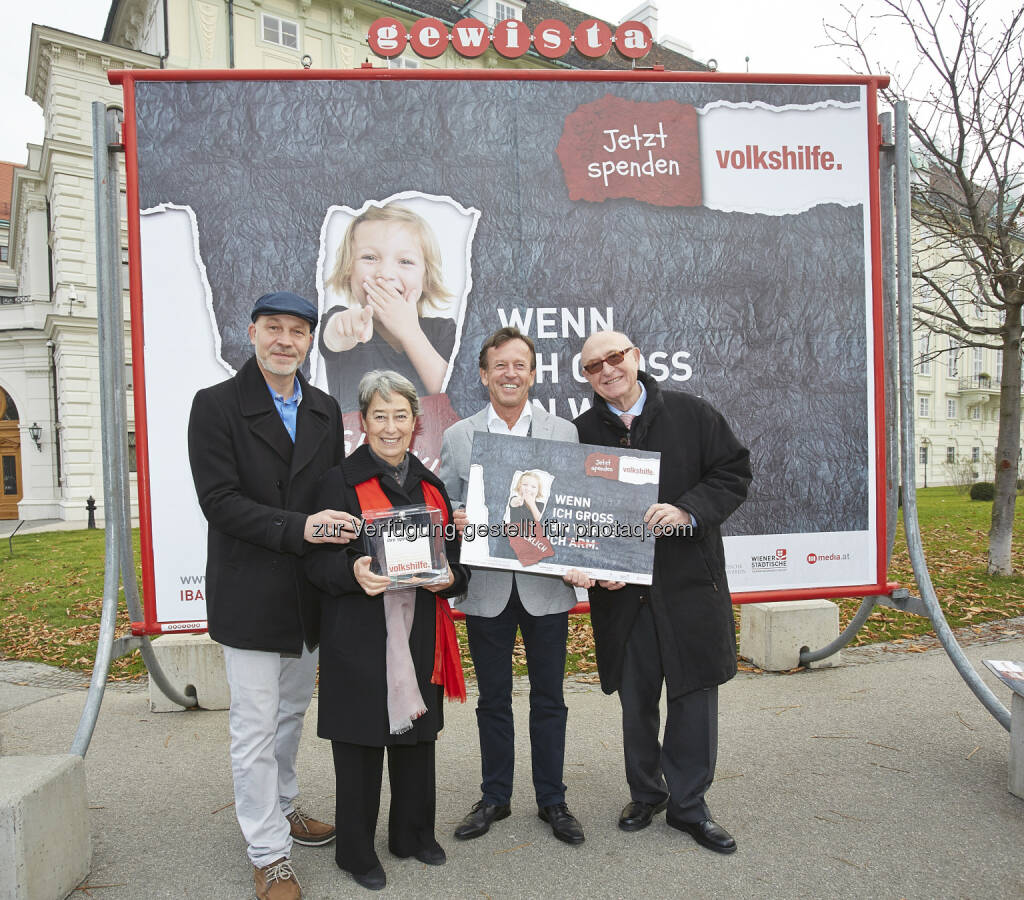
point(51, 589)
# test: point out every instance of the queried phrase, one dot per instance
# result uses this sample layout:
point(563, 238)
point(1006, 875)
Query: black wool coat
point(705, 471)
point(353, 676)
point(256, 489)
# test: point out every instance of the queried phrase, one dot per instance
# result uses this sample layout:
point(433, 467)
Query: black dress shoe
point(637, 814)
point(374, 880)
point(433, 855)
point(564, 825)
point(708, 833)
point(478, 819)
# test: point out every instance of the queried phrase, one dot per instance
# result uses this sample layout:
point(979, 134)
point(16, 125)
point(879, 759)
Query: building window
point(924, 364)
point(999, 367)
point(953, 360)
point(125, 269)
point(951, 409)
point(280, 31)
point(923, 459)
point(503, 11)
point(922, 407)
point(131, 452)
point(403, 62)
point(3, 253)
point(976, 361)
point(975, 454)
point(951, 454)
point(129, 377)
point(976, 413)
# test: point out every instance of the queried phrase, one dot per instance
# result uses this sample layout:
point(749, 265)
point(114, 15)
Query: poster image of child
point(393, 279)
point(528, 497)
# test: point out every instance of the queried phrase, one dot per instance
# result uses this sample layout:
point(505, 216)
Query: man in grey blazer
point(499, 603)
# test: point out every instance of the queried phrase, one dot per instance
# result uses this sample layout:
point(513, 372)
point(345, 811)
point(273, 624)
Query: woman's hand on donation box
point(370, 583)
point(578, 579)
point(436, 588)
point(347, 328)
point(460, 517)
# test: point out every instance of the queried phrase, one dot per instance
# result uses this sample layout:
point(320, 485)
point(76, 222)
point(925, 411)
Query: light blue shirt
point(637, 407)
point(288, 409)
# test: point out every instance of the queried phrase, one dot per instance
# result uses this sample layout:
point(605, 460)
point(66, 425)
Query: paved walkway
point(881, 778)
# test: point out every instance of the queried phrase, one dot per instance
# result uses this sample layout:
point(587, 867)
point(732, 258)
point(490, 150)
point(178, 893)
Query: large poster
point(726, 227)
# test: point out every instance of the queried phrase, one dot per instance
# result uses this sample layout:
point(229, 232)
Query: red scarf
point(447, 664)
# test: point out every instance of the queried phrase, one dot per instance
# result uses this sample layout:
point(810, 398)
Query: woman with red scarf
point(386, 655)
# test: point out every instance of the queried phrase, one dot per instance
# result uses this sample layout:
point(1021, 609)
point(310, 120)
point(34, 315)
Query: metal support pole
point(906, 346)
point(113, 414)
point(892, 481)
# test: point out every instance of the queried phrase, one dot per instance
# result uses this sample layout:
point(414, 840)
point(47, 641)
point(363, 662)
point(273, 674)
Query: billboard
point(728, 224)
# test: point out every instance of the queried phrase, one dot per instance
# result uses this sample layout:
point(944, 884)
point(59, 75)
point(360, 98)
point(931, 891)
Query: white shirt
point(496, 424)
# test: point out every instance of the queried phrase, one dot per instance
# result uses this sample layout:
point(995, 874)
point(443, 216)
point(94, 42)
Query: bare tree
point(965, 92)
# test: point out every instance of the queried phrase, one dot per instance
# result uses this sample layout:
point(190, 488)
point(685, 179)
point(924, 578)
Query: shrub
point(983, 490)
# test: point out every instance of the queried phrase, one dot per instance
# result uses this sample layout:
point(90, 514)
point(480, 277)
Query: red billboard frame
point(127, 78)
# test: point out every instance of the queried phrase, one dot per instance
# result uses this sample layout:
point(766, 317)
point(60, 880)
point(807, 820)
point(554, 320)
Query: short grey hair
point(385, 382)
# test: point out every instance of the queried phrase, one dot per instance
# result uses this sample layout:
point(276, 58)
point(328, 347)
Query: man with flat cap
point(679, 631)
point(258, 443)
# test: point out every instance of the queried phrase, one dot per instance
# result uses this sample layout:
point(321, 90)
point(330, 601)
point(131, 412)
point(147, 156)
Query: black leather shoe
point(708, 833)
point(374, 880)
point(478, 820)
point(637, 814)
point(433, 855)
point(564, 825)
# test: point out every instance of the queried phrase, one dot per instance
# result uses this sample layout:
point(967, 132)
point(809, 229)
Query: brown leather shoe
point(277, 881)
point(307, 831)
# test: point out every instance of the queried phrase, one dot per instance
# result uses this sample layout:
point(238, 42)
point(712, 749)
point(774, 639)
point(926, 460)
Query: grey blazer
point(490, 589)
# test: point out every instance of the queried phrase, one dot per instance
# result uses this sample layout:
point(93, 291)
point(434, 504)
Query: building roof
point(6, 186)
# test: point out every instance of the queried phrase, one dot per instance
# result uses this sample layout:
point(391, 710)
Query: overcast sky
point(726, 31)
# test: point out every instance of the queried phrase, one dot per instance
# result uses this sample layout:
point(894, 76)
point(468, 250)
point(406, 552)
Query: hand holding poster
point(551, 506)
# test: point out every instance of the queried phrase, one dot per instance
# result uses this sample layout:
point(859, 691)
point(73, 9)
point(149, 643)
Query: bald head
point(615, 382)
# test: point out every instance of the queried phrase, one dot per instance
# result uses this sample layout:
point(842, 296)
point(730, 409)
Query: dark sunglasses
point(613, 359)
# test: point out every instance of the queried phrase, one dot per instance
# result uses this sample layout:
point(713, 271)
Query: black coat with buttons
point(256, 489)
point(705, 471)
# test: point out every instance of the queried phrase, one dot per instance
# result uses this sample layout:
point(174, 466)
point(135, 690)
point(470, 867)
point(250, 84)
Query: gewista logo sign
point(511, 38)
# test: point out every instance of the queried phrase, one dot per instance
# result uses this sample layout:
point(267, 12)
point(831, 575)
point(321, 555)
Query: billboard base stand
point(193, 660)
point(45, 848)
point(772, 635)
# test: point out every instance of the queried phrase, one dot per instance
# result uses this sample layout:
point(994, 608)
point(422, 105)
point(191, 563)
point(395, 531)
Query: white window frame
point(403, 62)
point(950, 408)
point(922, 407)
point(976, 413)
point(977, 361)
point(280, 22)
point(502, 8)
point(951, 455)
point(924, 364)
point(923, 455)
point(975, 454)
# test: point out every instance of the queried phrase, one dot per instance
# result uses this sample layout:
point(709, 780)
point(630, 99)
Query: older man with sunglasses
point(678, 631)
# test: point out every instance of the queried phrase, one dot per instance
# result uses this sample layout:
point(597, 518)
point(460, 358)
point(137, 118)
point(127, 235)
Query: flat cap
point(285, 303)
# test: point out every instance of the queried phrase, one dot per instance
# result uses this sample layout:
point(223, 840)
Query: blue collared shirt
point(288, 409)
point(637, 407)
